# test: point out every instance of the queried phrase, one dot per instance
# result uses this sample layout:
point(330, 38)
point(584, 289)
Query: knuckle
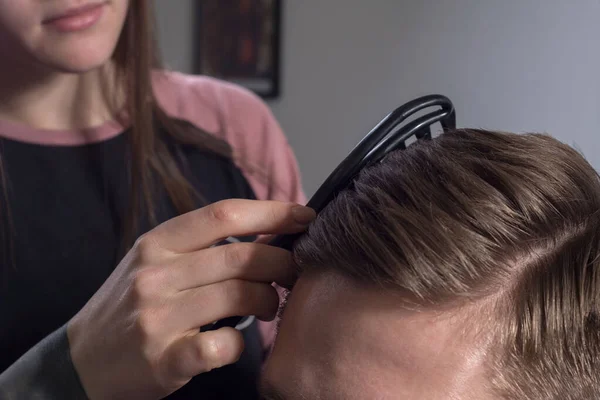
point(223, 212)
point(274, 214)
point(236, 254)
point(144, 241)
point(212, 351)
point(146, 245)
point(145, 328)
point(233, 292)
point(146, 283)
point(219, 349)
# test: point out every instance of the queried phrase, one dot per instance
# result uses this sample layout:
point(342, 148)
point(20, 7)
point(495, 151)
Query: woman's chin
point(78, 66)
point(75, 52)
point(78, 61)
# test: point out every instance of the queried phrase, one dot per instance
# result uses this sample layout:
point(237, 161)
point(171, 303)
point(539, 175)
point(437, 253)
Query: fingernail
point(303, 215)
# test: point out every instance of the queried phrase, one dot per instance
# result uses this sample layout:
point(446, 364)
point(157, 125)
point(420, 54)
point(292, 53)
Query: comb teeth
point(385, 137)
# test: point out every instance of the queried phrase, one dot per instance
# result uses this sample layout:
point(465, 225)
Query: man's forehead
point(339, 337)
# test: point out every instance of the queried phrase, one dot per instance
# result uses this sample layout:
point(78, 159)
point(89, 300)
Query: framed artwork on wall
point(239, 41)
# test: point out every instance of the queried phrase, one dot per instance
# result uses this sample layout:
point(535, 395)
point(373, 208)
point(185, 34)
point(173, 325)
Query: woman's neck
point(59, 101)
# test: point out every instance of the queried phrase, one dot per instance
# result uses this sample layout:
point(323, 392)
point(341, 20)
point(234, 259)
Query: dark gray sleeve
point(44, 372)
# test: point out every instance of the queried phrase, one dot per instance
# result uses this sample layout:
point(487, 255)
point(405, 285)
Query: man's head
point(466, 267)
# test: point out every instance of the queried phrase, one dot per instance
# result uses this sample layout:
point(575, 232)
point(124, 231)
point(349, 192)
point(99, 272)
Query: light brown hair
point(475, 215)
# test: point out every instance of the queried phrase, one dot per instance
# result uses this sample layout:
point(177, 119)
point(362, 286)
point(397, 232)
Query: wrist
point(46, 370)
point(80, 360)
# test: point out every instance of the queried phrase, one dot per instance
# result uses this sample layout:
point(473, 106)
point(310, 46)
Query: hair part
point(475, 215)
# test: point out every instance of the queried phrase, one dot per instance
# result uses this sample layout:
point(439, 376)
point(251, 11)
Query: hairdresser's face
point(64, 35)
point(339, 341)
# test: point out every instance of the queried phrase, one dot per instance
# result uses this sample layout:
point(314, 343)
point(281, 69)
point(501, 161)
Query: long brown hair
point(509, 223)
point(151, 162)
point(136, 56)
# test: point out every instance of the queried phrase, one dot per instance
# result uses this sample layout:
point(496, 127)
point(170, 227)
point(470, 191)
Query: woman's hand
point(138, 337)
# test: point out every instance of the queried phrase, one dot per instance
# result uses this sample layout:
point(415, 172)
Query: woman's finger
point(248, 261)
point(202, 352)
point(235, 217)
point(195, 308)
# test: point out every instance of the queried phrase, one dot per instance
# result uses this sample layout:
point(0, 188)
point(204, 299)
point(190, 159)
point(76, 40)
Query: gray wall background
point(517, 65)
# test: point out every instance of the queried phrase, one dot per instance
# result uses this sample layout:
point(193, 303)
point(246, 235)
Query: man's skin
point(338, 340)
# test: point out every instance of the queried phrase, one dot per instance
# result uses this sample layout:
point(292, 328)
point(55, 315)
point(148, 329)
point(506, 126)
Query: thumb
point(203, 352)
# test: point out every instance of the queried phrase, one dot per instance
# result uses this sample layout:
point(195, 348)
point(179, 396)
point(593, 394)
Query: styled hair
point(509, 221)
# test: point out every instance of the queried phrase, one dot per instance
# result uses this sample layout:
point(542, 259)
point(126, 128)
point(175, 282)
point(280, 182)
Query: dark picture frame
point(239, 41)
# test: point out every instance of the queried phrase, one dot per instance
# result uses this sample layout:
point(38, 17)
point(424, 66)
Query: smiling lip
point(76, 19)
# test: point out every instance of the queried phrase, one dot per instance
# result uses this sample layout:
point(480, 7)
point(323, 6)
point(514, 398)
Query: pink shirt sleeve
point(236, 115)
